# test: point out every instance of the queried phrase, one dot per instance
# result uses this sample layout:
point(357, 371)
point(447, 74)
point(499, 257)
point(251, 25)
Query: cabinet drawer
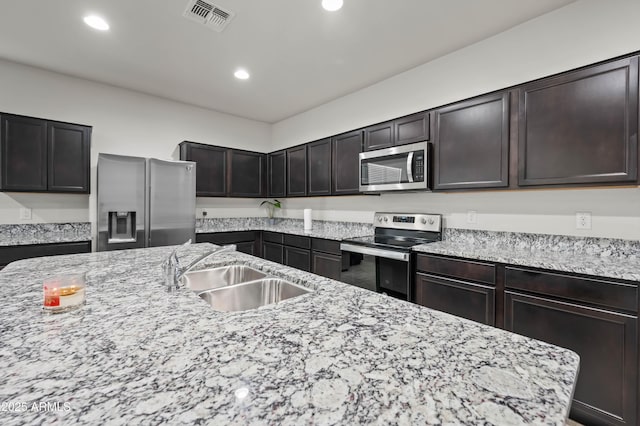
point(475, 271)
point(227, 237)
point(604, 293)
point(272, 237)
point(297, 241)
point(326, 246)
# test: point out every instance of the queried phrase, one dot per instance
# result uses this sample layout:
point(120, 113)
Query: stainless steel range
point(383, 262)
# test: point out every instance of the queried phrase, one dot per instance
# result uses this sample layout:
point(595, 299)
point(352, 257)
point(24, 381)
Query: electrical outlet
point(472, 216)
point(25, 213)
point(583, 220)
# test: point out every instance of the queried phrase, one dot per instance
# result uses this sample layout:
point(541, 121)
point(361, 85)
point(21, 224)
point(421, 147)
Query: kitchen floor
point(573, 423)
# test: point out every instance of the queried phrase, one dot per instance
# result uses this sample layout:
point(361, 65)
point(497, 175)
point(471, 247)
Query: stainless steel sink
point(251, 295)
point(223, 276)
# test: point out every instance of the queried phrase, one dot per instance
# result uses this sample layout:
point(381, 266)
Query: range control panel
point(416, 221)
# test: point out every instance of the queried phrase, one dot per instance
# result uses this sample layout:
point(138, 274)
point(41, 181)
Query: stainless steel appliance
point(383, 262)
point(144, 202)
point(400, 168)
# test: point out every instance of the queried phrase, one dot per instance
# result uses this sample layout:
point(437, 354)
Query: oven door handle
point(410, 167)
point(387, 254)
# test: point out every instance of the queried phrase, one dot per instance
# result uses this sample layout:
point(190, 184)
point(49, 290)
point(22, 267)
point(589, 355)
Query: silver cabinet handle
point(387, 254)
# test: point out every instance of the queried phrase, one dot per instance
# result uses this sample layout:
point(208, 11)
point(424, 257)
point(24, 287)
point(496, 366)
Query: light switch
point(25, 213)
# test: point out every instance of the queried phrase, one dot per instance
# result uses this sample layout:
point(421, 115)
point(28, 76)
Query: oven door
point(394, 169)
point(377, 269)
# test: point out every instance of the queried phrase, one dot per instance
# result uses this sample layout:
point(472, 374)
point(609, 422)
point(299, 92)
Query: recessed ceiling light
point(332, 5)
point(96, 22)
point(241, 74)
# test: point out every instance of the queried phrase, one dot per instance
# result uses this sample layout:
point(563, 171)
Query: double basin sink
point(239, 288)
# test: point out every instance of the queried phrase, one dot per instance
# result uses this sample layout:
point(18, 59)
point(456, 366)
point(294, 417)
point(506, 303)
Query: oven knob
point(431, 221)
point(386, 219)
point(380, 219)
point(423, 221)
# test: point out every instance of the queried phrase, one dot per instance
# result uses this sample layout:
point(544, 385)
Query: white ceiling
point(299, 55)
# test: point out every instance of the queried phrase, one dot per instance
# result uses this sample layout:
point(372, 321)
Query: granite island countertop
point(339, 355)
point(600, 257)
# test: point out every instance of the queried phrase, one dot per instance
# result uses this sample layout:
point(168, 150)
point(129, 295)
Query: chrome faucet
point(173, 271)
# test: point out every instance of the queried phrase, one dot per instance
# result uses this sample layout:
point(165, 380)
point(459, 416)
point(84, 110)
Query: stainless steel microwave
point(399, 168)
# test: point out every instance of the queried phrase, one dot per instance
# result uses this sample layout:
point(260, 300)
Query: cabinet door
point(69, 147)
point(273, 252)
point(277, 174)
point(211, 168)
point(246, 173)
point(580, 127)
point(297, 258)
point(23, 154)
point(297, 171)
point(346, 149)
point(327, 265)
point(319, 162)
point(464, 299)
point(607, 345)
point(379, 136)
point(471, 144)
point(248, 247)
point(412, 128)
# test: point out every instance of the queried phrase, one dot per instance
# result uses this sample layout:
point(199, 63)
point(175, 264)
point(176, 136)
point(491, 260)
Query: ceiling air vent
point(208, 14)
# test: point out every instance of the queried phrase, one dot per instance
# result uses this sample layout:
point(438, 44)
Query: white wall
point(124, 122)
point(131, 123)
point(579, 34)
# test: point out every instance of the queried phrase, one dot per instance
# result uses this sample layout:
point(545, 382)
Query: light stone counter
point(135, 354)
point(601, 257)
point(329, 230)
point(44, 233)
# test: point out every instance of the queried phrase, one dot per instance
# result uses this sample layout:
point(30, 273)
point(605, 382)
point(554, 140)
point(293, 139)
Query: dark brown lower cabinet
point(245, 241)
point(595, 317)
point(327, 265)
point(326, 258)
point(297, 258)
point(464, 299)
point(606, 391)
point(273, 252)
point(10, 254)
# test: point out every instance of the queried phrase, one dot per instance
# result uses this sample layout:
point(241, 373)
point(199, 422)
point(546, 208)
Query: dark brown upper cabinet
point(297, 171)
point(319, 164)
point(247, 173)
point(404, 130)
point(277, 174)
point(69, 156)
point(211, 167)
point(346, 149)
point(471, 144)
point(412, 128)
point(379, 136)
point(44, 156)
point(580, 127)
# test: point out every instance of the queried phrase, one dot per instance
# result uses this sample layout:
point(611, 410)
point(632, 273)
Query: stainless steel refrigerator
point(145, 202)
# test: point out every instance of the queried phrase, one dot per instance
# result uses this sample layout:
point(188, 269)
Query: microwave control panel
point(418, 166)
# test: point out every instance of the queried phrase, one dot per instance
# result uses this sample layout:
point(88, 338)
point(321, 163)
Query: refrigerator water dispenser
point(122, 227)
